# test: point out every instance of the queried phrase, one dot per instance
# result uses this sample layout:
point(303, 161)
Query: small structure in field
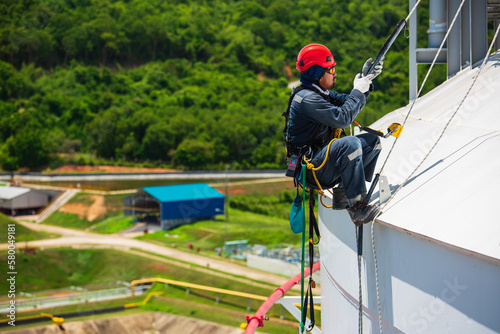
point(174, 205)
point(15, 201)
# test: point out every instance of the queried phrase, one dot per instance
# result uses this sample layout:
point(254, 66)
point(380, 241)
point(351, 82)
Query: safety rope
point(412, 10)
point(313, 227)
point(451, 118)
point(314, 169)
point(360, 305)
point(375, 262)
point(302, 266)
point(359, 241)
point(359, 238)
point(432, 148)
point(307, 301)
point(424, 82)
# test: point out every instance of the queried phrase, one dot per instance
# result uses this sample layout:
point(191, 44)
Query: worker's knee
point(375, 144)
point(351, 142)
point(353, 147)
point(369, 140)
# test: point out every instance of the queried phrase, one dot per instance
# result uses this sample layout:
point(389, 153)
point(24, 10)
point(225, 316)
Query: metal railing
point(71, 295)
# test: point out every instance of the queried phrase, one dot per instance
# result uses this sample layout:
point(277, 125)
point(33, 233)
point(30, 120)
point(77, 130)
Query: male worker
point(315, 113)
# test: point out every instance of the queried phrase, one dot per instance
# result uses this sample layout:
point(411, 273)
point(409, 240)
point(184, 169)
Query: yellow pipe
point(59, 321)
point(151, 294)
point(195, 286)
point(56, 320)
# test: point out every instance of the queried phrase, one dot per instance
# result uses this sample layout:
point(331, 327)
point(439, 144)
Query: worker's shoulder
point(305, 95)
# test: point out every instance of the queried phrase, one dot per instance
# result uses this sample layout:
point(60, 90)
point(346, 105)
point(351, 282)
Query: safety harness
point(316, 141)
point(296, 154)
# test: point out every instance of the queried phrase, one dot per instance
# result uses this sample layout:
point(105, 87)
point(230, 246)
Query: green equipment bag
point(297, 214)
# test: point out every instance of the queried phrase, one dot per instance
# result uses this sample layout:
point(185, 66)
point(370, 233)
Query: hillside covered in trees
point(190, 84)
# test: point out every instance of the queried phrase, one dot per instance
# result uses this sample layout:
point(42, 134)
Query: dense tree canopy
point(198, 84)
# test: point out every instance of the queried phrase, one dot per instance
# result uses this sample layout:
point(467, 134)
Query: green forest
point(184, 84)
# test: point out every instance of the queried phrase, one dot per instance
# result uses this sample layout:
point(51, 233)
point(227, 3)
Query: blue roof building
point(175, 205)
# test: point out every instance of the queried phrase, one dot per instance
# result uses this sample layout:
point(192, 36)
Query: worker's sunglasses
point(330, 70)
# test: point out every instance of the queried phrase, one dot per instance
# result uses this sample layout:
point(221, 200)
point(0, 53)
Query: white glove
point(376, 70)
point(362, 83)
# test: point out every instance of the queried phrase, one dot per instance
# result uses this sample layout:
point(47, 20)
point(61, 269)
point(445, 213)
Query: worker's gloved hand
point(376, 70)
point(362, 83)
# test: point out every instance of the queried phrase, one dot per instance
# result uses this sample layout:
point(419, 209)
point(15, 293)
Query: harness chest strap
point(286, 114)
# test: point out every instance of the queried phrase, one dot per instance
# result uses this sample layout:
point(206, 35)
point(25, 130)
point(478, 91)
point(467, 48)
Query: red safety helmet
point(314, 54)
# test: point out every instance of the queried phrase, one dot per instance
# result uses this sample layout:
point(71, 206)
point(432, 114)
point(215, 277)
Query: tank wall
point(424, 287)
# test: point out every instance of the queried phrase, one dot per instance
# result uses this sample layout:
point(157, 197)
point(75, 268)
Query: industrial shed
point(175, 205)
point(21, 201)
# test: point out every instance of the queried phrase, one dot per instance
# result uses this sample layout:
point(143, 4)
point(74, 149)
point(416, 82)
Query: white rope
point(375, 262)
point(392, 148)
point(360, 300)
point(449, 121)
point(425, 80)
point(360, 310)
point(413, 9)
point(432, 148)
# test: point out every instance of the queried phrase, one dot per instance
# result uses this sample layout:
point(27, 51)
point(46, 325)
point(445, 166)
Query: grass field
point(261, 217)
point(241, 225)
point(99, 214)
point(22, 233)
point(259, 214)
point(112, 225)
point(91, 266)
point(262, 187)
point(176, 301)
point(80, 267)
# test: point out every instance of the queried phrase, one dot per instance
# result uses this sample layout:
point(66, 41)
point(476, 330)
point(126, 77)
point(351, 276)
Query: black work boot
point(339, 199)
point(362, 212)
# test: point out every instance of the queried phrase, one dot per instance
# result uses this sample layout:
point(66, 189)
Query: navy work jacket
point(309, 111)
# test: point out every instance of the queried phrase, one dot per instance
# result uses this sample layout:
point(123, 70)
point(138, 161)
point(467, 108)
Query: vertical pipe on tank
point(437, 22)
point(413, 53)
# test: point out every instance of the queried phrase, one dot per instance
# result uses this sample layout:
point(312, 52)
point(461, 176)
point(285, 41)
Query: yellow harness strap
point(311, 166)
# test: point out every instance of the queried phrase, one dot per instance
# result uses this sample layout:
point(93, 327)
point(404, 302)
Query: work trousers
point(351, 158)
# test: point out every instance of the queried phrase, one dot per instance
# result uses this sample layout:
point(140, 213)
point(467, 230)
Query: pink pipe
point(258, 319)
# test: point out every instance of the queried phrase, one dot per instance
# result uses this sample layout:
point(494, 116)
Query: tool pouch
point(294, 166)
